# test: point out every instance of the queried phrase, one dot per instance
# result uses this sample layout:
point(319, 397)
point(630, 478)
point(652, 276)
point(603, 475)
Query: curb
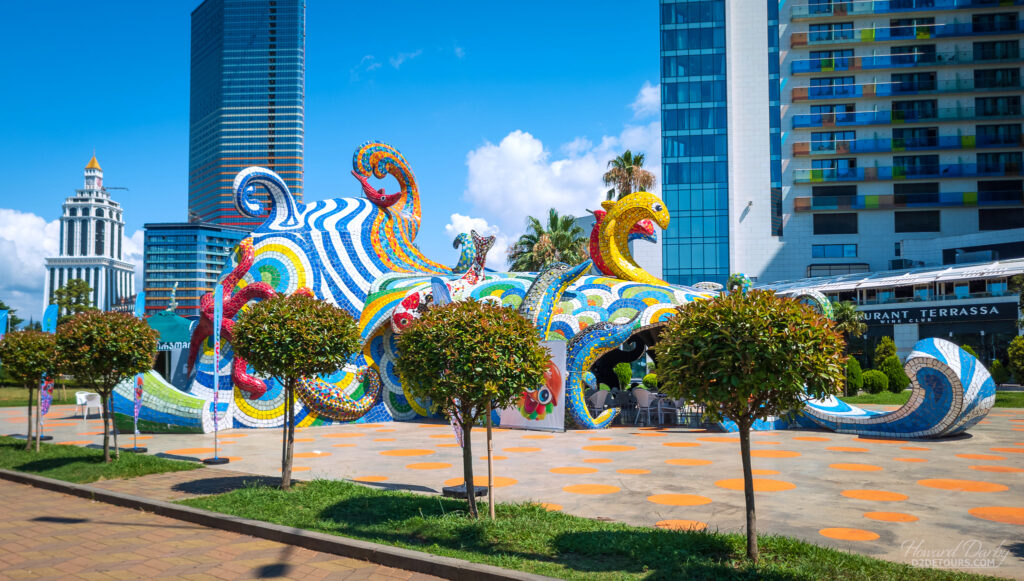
point(416, 561)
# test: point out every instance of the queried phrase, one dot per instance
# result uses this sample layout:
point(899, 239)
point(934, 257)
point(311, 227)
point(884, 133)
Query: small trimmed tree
point(624, 373)
point(289, 338)
point(102, 349)
point(875, 381)
point(854, 377)
point(651, 382)
point(26, 356)
point(466, 355)
point(748, 356)
point(893, 369)
point(1015, 358)
point(885, 349)
point(970, 350)
point(1000, 375)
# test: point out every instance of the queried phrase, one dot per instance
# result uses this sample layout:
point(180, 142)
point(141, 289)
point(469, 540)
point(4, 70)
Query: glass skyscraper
point(246, 101)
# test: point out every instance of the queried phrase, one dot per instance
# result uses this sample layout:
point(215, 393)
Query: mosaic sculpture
point(359, 253)
point(642, 230)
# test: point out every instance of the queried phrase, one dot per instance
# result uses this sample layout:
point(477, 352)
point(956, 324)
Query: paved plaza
point(960, 499)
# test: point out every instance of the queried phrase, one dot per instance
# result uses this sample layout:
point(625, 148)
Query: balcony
point(899, 88)
point(896, 201)
point(866, 7)
point(901, 33)
point(898, 61)
point(898, 172)
point(865, 118)
point(842, 147)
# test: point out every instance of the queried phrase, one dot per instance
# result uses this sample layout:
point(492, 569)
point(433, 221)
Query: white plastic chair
point(80, 401)
point(92, 400)
point(597, 401)
point(644, 402)
point(666, 407)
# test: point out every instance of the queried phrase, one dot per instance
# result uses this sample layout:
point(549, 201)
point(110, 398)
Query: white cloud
point(396, 61)
point(26, 241)
point(459, 51)
point(366, 64)
point(648, 101)
point(497, 257)
point(519, 176)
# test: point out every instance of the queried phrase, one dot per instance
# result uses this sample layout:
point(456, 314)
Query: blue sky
point(503, 109)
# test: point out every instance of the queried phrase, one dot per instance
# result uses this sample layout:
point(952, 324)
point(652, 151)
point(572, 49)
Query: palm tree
point(562, 240)
point(848, 320)
point(626, 174)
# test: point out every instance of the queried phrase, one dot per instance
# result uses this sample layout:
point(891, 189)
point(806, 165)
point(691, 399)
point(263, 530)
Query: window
point(999, 135)
point(832, 269)
point(832, 59)
point(829, 141)
point(911, 27)
point(910, 82)
point(915, 110)
point(831, 87)
point(911, 137)
point(921, 221)
point(1000, 191)
point(1001, 219)
point(833, 251)
point(835, 223)
point(997, 106)
point(1003, 163)
point(920, 193)
point(997, 50)
point(912, 55)
point(843, 168)
point(1003, 22)
point(100, 231)
point(817, 191)
point(83, 237)
point(996, 78)
point(73, 212)
point(70, 250)
point(915, 165)
point(831, 32)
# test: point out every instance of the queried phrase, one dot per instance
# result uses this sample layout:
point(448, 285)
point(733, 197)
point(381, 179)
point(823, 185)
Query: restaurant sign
point(941, 314)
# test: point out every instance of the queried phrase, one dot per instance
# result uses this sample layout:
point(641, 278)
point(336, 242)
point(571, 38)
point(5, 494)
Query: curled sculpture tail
point(284, 212)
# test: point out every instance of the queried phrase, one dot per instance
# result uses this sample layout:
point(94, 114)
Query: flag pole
point(218, 313)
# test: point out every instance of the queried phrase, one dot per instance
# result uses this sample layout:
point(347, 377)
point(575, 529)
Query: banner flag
point(45, 396)
point(218, 313)
point(140, 312)
point(50, 319)
point(3, 324)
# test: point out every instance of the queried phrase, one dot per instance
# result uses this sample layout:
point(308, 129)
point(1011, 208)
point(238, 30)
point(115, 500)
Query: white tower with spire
point(91, 230)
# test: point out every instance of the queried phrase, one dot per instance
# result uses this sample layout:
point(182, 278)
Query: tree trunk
point(28, 434)
point(467, 467)
point(39, 418)
point(289, 436)
point(748, 489)
point(113, 425)
point(106, 427)
point(490, 465)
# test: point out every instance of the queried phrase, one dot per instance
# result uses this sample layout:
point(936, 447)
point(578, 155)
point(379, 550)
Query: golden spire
point(93, 164)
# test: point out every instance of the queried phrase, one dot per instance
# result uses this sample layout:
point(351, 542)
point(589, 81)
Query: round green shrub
point(970, 350)
point(651, 381)
point(1000, 374)
point(886, 349)
point(893, 369)
point(854, 377)
point(875, 381)
point(1015, 357)
point(624, 372)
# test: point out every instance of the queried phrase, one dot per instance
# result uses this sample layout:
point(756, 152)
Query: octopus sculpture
point(360, 254)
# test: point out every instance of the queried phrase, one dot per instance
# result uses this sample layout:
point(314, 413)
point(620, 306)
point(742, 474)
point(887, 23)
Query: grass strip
point(1004, 399)
point(82, 465)
point(529, 538)
point(18, 397)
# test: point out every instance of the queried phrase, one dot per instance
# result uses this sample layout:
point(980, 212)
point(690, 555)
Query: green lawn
point(1004, 399)
point(18, 397)
point(82, 465)
point(529, 538)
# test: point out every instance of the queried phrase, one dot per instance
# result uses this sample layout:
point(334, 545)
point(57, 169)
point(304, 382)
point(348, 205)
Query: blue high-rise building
point(246, 100)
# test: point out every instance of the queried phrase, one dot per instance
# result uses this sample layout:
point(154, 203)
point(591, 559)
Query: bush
point(624, 372)
point(651, 381)
point(875, 381)
point(1000, 374)
point(970, 350)
point(604, 387)
point(854, 377)
point(886, 349)
point(893, 369)
point(1015, 357)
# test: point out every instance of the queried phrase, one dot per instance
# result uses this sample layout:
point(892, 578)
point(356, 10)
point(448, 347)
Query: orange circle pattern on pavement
point(182, 451)
point(597, 460)
point(599, 439)
point(1010, 450)
point(811, 439)
point(773, 454)
point(311, 454)
point(84, 442)
point(538, 437)
point(304, 440)
point(681, 525)
point(407, 452)
point(910, 459)
point(520, 449)
point(845, 534)
point(680, 444)
point(573, 470)
point(962, 485)
point(343, 435)
point(980, 457)
point(499, 481)
point(878, 495)
point(871, 440)
point(915, 448)
point(846, 449)
point(760, 484)
point(679, 499)
point(891, 516)
point(633, 471)
point(1011, 515)
point(609, 448)
point(719, 439)
point(590, 489)
point(549, 506)
point(495, 457)
point(997, 469)
point(855, 467)
point(762, 472)
point(370, 478)
point(687, 462)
